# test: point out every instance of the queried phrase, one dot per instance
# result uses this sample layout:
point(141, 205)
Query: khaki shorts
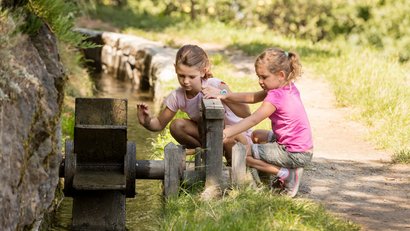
point(276, 154)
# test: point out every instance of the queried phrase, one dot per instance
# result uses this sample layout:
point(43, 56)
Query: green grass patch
point(248, 210)
point(401, 157)
point(67, 123)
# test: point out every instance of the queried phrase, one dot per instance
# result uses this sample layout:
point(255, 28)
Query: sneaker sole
point(299, 173)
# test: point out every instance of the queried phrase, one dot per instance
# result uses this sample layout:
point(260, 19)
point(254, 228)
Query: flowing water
point(143, 211)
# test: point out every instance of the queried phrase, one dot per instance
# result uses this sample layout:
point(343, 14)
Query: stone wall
point(31, 94)
point(148, 65)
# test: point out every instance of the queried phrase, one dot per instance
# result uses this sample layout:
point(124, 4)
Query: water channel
point(144, 211)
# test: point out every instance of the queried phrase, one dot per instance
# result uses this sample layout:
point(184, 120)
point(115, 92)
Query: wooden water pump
point(100, 166)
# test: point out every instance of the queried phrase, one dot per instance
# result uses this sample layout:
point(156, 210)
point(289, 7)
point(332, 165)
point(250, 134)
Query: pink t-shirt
point(177, 100)
point(290, 123)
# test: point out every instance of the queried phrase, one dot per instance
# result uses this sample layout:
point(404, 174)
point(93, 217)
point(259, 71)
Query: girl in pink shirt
point(287, 148)
point(192, 67)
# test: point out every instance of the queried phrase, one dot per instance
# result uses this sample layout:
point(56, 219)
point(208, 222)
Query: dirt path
point(348, 175)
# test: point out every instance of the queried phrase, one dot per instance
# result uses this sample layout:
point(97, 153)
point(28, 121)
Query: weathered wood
point(89, 179)
point(130, 169)
point(174, 163)
point(99, 210)
point(238, 164)
point(70, 166)
point(198, 158)
point(213, 114)
point(213, 109)
point(104, 164)
point(100, 132)
point(193, 176)
point(150, 169)
point(100, 111)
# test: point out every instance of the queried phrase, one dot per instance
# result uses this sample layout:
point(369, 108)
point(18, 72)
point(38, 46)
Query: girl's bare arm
point(244, 97)
point(154, 123)
point(263, 112)
point(240, 109)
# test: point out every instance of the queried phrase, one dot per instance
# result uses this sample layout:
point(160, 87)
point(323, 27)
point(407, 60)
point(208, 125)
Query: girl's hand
point(225, 133)
point(213, 92)
point(143, 114)
point(224, 137)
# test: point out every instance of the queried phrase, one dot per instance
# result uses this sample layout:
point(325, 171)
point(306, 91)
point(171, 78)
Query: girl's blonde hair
point(277, 59)
point(194, 56)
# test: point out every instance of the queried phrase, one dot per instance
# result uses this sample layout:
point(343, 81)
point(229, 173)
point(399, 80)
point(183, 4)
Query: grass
point(248, 209)
point(401, 157)
point(79, 84)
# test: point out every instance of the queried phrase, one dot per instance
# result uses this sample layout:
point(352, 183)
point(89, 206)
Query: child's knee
point(260, 136)
point(177, 124)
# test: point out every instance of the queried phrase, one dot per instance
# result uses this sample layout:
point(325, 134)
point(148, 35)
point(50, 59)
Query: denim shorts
point(276, 154)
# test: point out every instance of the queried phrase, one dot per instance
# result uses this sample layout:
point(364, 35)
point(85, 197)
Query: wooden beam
point(213, 114)
point(174, 163)
point(238, 164)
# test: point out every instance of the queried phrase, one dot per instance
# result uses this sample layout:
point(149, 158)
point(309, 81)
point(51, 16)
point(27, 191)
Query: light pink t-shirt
point(290, 123)
point(177, 100)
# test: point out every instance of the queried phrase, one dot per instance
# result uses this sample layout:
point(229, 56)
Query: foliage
point(382, 24)
point(402, 157)
point(162, 139)
point(388, 27)
point(67, 123)
point(59, 15)
point(78, 84)
point(248, 210)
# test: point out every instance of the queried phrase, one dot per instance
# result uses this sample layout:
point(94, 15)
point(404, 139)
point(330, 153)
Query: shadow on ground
point(371, 193)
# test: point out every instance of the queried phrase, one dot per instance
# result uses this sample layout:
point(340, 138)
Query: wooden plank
point(198, 158)
point(238, 164)
point(174, 162)
point(99, 210)
point(100, 111)
point(192, 177)
point(101, 127)
point(213, 114)
point(213, 109)
point(99, 180)
point(130, 169)
point(100, 145)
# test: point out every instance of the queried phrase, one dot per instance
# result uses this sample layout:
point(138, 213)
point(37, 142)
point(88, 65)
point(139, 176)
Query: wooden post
point(238, 164)
point(174, 162)
point(213, 117)
point(198, 159)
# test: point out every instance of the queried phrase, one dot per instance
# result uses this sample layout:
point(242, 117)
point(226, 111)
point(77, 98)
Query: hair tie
point(286, 53)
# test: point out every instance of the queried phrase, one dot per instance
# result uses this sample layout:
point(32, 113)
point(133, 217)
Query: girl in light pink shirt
point(192, 67)
point(287, 148)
